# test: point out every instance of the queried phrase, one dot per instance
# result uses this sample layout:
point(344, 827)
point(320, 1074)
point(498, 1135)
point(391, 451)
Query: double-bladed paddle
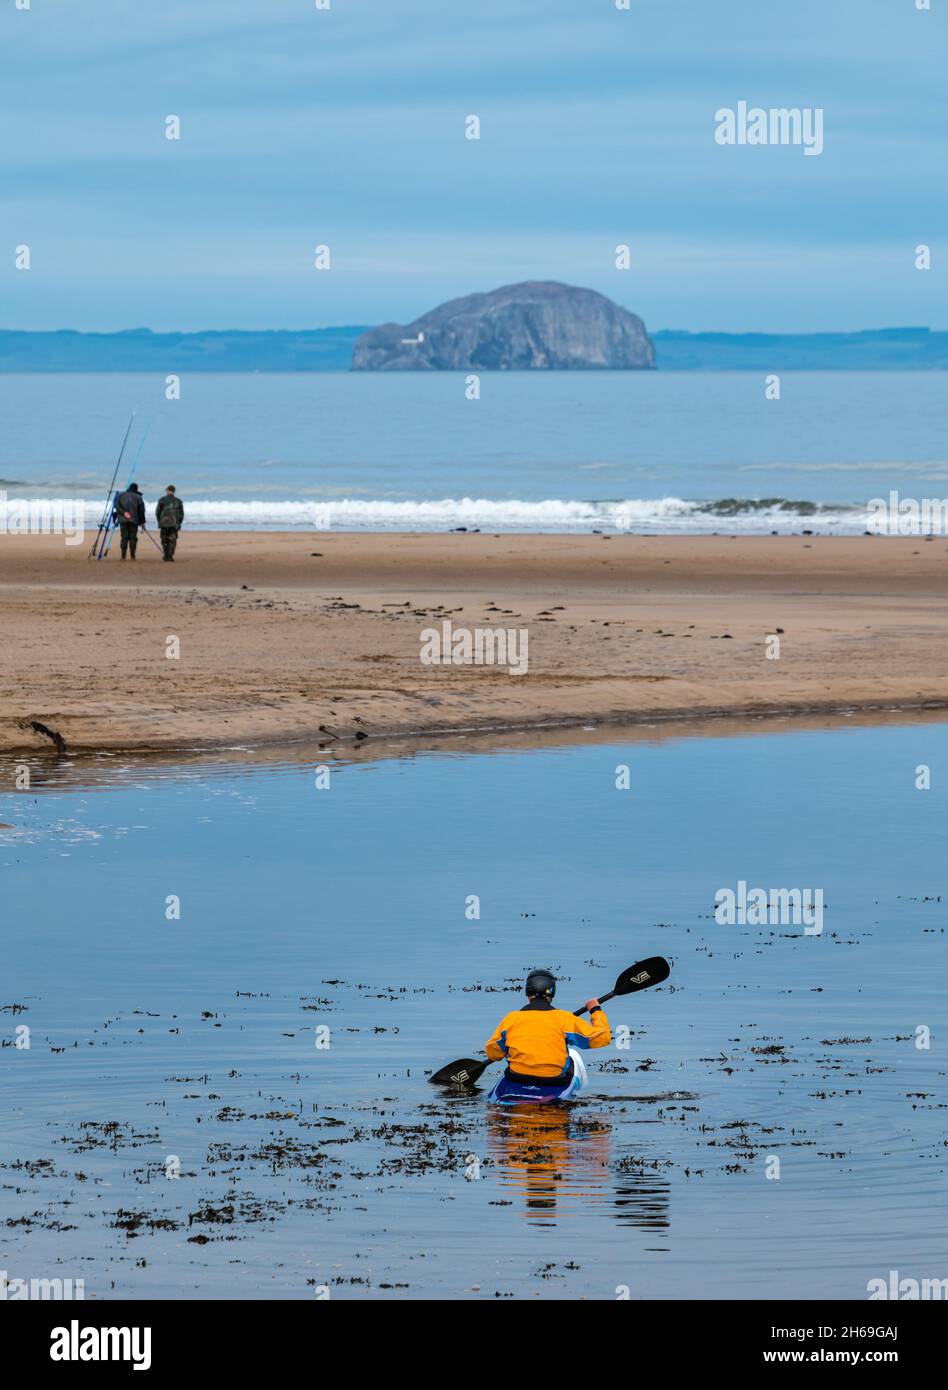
point(645, 973)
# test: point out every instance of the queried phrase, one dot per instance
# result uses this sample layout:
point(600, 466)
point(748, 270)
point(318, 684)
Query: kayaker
point(169, 513)
point(535, 1039)
point(130, 514)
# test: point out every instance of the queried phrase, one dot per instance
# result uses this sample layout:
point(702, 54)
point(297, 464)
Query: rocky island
point(539, 324)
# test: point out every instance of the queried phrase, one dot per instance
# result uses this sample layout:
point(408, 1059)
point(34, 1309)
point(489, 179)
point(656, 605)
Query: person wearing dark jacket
point(169, 513)
point(130, 514)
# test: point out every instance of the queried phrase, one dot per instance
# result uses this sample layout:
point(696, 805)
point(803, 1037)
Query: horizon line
point(364, 328)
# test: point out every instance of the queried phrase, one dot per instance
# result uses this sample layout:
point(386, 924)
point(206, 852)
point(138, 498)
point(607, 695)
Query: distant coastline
point(330, 350)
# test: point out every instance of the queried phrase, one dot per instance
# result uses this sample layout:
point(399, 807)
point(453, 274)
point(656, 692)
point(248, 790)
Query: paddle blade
point(464, 1072)
point(643, 975)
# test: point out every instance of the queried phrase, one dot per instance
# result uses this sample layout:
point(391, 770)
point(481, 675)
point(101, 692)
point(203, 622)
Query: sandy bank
point(278, 642)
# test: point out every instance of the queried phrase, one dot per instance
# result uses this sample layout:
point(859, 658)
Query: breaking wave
point(662, 514)
point(751, 515)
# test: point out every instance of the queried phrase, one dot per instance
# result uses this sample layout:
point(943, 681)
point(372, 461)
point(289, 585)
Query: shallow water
point(304, 1167)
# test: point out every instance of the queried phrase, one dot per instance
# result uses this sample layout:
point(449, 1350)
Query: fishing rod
point(112, 525)
point(153, 541)
point(108, 501)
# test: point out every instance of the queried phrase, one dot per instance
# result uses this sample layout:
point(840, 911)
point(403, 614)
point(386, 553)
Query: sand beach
point(288, 636)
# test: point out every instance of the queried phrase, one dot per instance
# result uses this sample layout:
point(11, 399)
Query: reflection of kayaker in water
point(540, 1043)
point(542, 1155)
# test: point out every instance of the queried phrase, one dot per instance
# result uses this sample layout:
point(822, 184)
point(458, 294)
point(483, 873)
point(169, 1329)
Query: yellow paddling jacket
point(534, 1039)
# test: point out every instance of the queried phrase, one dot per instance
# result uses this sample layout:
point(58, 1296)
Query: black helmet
point(541, 982)
point(133, 487)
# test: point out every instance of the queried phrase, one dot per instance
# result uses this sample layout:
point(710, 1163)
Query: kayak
point(508, 1092)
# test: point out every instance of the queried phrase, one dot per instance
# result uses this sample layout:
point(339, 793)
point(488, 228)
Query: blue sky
point(346, 127)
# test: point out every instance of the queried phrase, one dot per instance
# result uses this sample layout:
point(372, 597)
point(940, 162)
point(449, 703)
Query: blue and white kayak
point(509, 1092)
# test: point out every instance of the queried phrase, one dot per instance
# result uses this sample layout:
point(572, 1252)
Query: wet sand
point(317, 637)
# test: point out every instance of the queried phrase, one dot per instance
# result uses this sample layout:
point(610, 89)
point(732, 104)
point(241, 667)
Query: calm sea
point(560, 451)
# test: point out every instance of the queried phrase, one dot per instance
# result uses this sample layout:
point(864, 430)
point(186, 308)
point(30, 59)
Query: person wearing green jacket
point(169, 513)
